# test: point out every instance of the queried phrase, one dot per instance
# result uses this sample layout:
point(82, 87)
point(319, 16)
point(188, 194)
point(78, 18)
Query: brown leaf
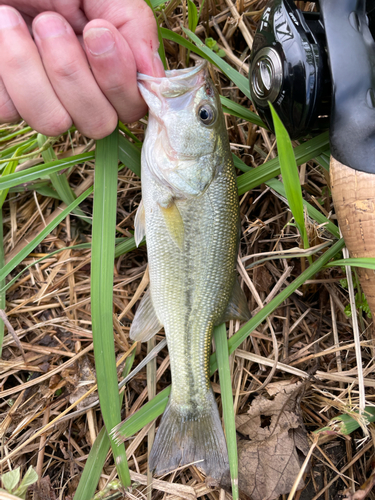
point(262, 279)
point(270, 459)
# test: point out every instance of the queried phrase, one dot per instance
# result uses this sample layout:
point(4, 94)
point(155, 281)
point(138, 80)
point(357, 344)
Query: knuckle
point(101, 127)
point(65, 69)
point(113, 88)
point(56, 125)
point(8, 112)
point(8, 115)
point(16, 60)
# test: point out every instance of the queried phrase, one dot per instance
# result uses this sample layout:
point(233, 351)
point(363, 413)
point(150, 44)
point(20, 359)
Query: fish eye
point(206, 114)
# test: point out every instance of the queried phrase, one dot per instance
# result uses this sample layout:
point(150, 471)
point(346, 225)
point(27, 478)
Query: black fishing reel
point(289, 68)
point(318, 70)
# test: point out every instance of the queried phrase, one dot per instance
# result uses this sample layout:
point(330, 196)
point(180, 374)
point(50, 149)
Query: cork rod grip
point(353, 194)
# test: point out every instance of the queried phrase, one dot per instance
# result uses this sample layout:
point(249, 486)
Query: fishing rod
point(318, 71)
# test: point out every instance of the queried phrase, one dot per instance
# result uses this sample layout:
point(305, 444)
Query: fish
point(189, 214)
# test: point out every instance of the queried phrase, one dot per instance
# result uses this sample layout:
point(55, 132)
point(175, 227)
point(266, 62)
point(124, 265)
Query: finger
point(8, 112)
point(113, 65)
point(136, 23)
point(69, 9)
point(68, 70)
point(24, 78)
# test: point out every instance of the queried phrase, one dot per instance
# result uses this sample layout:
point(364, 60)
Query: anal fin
point(237, 308)
point(145, 323)
point(174, 223)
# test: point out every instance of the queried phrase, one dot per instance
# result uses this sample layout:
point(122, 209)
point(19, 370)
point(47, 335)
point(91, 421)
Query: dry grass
point(49, 309)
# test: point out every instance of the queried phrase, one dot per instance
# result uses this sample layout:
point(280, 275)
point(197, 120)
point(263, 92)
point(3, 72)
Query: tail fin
point(183, 439)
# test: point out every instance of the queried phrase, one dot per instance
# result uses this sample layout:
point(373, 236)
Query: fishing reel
point(305, 63)
point(289, 68)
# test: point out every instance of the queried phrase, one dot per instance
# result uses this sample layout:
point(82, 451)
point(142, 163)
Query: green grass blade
point(175, 37)
point(349, 422)
point(289, 171)
point(222, 356)
point(126, 246)
point(203, 51)
point(365, 262)
point(235, 109)
point(44, 170)
point(46, 190)
point(303, 153)
point(312, 211)
point(8, 152)
point(98, 453)
point(127, 132)
point(103, 252)
point(8, 137)
point(93, 467)
point(240, 80)
point(129, 155)
point(324, 159)
point(59, 181)
point(9, 169)
point(143, 416)
point(2, 282)
point(17, 259)
point(155, 3)
point(192, 16)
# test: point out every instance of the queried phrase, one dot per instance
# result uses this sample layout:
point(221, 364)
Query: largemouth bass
point(190, 216)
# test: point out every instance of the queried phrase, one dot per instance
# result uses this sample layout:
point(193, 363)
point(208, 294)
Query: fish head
point(185, 129)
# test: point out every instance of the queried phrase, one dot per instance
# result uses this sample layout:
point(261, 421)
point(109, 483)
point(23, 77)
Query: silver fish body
point(190, 216)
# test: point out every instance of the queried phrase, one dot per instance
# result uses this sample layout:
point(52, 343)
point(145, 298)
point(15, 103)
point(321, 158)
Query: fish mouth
point(176, 74)
point(176, 82)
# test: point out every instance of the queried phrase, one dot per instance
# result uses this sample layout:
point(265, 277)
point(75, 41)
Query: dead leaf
point(262, 279)
point(271, 457)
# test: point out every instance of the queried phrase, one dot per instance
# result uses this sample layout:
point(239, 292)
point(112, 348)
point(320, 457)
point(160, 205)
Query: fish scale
point(190, 216)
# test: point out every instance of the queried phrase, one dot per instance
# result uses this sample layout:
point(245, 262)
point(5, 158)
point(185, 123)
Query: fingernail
point(157, 65)
point(9, 18)
point(50, 26)
point(99, 40)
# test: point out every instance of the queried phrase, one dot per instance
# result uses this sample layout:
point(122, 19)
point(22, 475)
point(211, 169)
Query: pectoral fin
point(140, 224)
point(237, 308)
point(145, 323)
point(174, 223)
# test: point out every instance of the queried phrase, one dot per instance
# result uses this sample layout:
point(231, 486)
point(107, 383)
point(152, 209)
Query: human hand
point(51, 81)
